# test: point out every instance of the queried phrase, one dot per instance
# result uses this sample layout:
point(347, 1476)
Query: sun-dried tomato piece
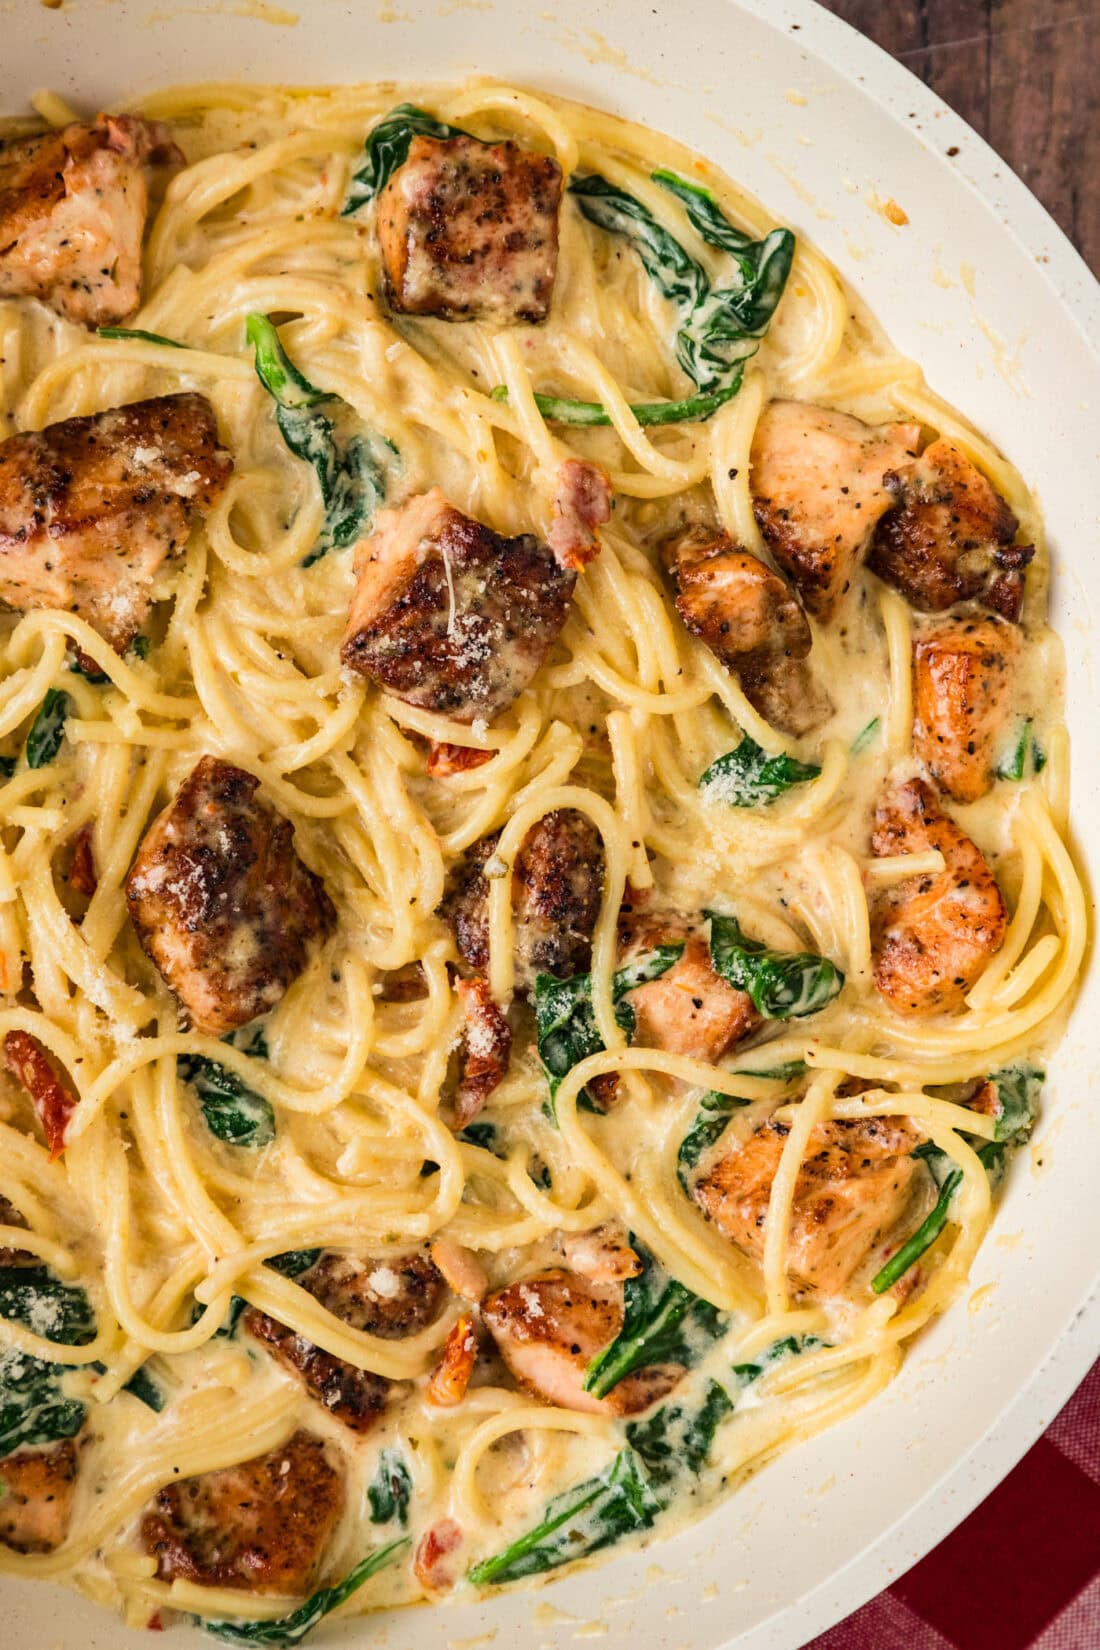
point(445, 759)
point(54, 1104)
point(451, 1375)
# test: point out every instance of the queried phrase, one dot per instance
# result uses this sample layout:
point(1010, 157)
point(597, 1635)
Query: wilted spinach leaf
point(141, 1385)
point(33, 1409)
point(47, 729)
point(1018, 1090)
point(390, 1490)
point(350, 461)
point(693, 409)
point(922, 1239)
point(783, 985)
point(565, 1023)
point(387, 148)
point(789, 1347)
point(480, 1134)
point(1026, 756)
point(293, 1262)
point(231, 1110)
point(715, 1111)
point(750, 300)
point(675, 1440)
point(864, 737)
point(34, 1297)
point(785, 1072)
point(747, 776)
point(590, 1516)
point(663, 1322)
point(719, 326)
point(142, 336)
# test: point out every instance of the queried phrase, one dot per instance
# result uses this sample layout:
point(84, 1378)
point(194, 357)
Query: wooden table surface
point(1023, 73)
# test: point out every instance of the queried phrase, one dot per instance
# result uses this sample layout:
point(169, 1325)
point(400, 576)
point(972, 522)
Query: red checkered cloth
point(1021, 1573)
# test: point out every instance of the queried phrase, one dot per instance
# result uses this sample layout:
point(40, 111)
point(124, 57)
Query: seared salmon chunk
point(556, 890)
point(221, 902)
point(353, 1396)
point(853, 1187)
point(469, 231)
point(90, 507)
point(390, 1298)
point(752, 623)
point(72, 215)
point(549, 1328)
point(689, 1009)
point(933, 934)
point(263, 1524)
point(820, 485)
point(37, 1487)
point(963, 672)
point(449, 616)
point(951, 537)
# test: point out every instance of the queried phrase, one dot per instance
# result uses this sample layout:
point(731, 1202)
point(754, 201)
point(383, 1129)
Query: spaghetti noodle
point(162, 1223)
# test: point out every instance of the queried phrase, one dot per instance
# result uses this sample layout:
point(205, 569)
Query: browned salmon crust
point(355, 1397)
point(752, 623)
point(556, 891)
point(391, 1297)
point(37, 1488)
point(469, 231)
point(90, 507)
point(950, 539)
point(731, 601)
point(932, 935)
point(786, 693)
point(450, 616)
point(72, 215)
point(963, 670)
point(221, 902)
point(549, 1328)
point(854, 1185)
point(262, 1524)
point(820, 483)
